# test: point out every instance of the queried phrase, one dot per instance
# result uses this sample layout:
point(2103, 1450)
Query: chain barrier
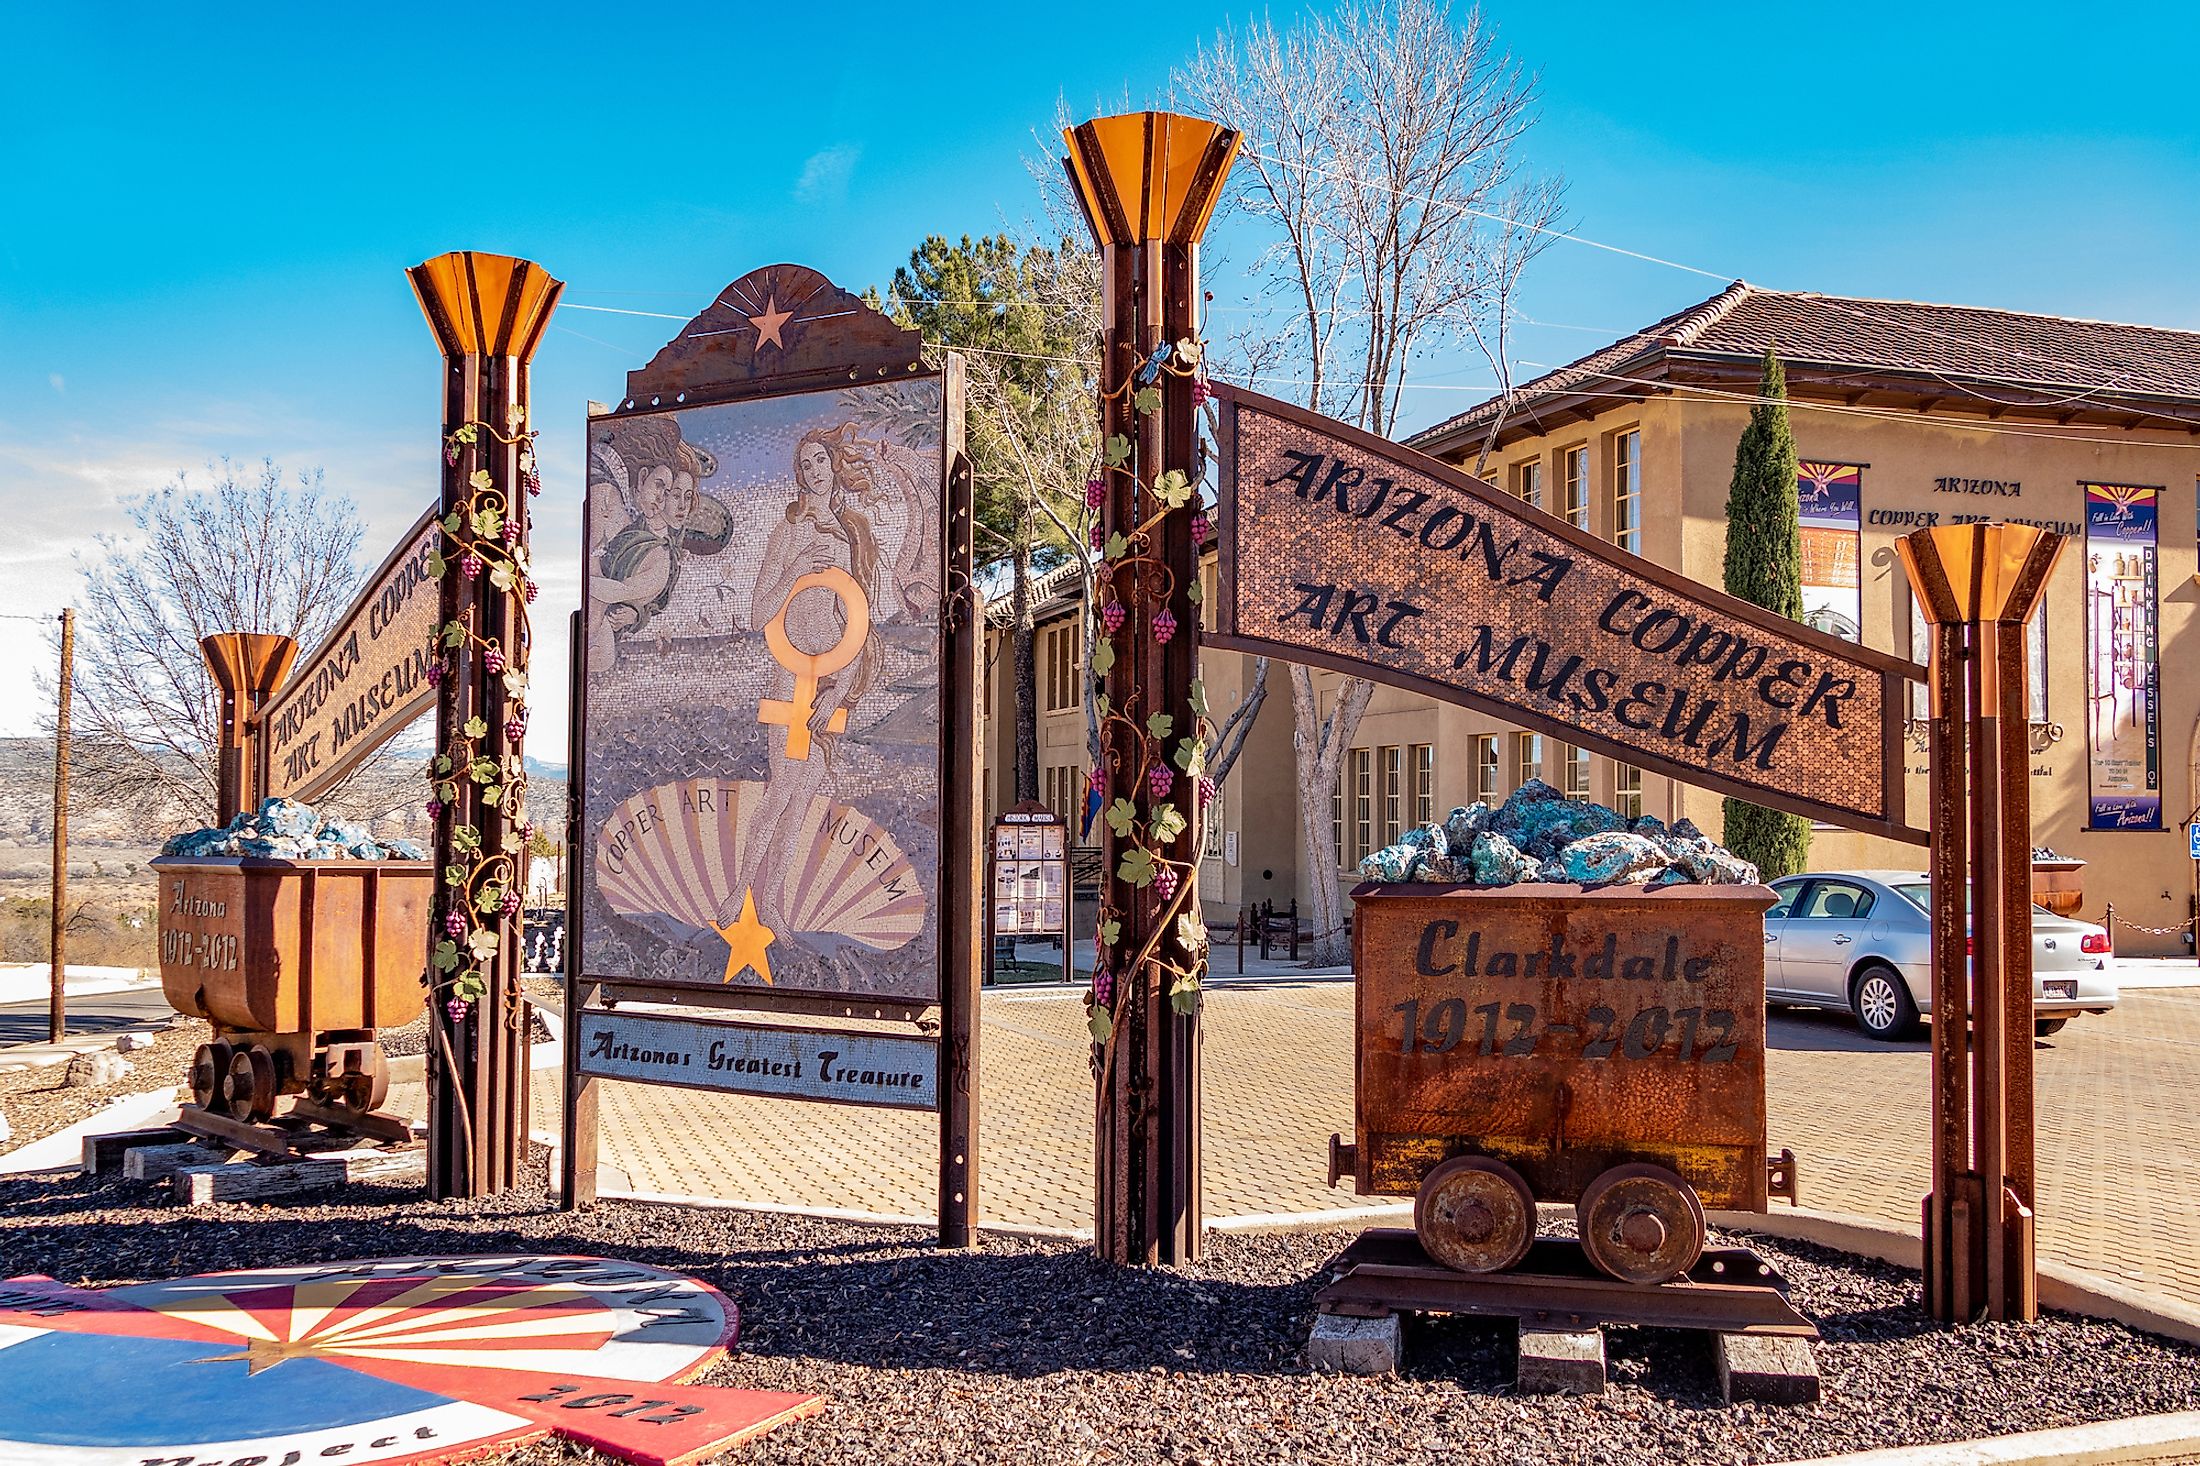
point(2112, 921)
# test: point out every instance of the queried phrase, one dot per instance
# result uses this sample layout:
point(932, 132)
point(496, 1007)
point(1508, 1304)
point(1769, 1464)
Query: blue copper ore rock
point(284, 829)
point(1540, 835)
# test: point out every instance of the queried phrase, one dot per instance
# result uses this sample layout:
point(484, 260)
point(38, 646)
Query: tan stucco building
point(1904, 415)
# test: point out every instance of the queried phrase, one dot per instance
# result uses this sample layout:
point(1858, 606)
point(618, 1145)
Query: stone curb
point(2073, 1290)
point(2143, 1438)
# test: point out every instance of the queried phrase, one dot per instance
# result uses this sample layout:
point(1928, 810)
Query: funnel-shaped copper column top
point(248, 663)
point(485, 305)
point(1148, 176)
point(1979, 572)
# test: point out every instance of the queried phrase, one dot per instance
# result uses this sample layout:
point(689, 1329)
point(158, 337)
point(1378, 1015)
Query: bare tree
point(1381, 153)
point(241, 553)
point(1026, 316)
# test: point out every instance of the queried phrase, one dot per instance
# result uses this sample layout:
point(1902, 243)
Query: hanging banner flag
point(2122, 658)
point(1829, 495)
point(1346, 551)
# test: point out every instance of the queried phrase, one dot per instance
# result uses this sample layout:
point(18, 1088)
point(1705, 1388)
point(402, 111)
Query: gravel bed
point(38, 1102)
point(1033, 1352)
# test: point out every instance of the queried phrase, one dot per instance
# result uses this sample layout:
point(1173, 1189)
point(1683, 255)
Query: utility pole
point(57, 1004)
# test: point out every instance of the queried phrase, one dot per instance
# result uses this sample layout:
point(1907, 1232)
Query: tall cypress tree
point(1764, 566)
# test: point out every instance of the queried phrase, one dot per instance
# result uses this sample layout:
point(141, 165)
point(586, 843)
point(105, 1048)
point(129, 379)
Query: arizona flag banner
point(2122, 658)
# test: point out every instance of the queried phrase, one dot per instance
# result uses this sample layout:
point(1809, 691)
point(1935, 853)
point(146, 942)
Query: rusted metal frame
point(1728, 1290)
point(247, 668)
point(579, 1130)
point(1951, 1271)
point(1178, 308)
point(614, 991)
point(2017, 1293)
point(486, 1107)
point(1119, 1233)
point(1989, 1077)
point(962, 841)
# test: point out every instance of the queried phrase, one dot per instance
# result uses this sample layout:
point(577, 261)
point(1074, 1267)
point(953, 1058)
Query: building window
point(1423, 764)
point(1627, 790)
point(1574, 489)
point(1528, 483)
point(1061, 668)
point(1627, 491)
point(1062, 786)
point(1576, 770)
point(1486, 769)
point(1394, 792)
point(1336, 816)
point(1527, 757)
point(1363, 804)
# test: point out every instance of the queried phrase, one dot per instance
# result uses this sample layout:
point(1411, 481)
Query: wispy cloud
point(60, 383)
point(825, 175)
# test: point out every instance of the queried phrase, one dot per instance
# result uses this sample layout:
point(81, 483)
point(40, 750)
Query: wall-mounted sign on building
point(2122, 657)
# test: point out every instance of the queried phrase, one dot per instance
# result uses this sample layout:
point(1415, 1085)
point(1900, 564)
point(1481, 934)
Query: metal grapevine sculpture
point(1148, 183)
point(488, 313)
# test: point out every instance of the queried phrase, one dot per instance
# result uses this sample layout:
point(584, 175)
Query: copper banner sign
point(1349, 552)
point(367, 682)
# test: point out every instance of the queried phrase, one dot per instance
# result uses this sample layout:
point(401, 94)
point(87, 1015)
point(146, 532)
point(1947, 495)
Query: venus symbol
point(808, 668)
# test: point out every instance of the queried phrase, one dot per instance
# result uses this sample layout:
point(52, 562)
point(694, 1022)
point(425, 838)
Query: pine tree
point(1764, 566)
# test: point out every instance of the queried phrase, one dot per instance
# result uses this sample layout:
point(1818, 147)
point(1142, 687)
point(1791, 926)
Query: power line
point(1565, 234)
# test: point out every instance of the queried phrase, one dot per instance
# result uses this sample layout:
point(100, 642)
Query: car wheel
point(1881, 1001)
point(2047, 1027)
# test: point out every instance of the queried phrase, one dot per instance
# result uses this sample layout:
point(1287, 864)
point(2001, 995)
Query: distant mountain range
point(26, 805)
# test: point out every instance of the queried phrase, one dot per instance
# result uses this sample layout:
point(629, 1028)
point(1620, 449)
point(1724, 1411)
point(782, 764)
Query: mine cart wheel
point(1474, 1214)
point(251, 1086)
point(355, 1076)
point(209, 1068)
point(1641, 1223)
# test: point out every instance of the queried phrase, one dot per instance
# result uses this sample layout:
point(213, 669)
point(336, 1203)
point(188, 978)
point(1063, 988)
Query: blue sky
point(206, 211)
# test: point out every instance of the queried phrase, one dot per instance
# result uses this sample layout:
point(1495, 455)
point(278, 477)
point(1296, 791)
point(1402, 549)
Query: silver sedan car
point(1862, 941)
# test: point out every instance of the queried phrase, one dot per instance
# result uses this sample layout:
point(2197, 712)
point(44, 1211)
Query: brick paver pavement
point(2118, 1104)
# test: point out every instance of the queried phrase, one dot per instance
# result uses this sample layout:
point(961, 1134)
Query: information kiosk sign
point(1029, 891)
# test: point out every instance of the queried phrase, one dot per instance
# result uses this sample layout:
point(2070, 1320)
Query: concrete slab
point(1344, 1345)
point(1769, 1371)
point(1560, 1362)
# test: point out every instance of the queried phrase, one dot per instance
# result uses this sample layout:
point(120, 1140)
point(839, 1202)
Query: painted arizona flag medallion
point(414, 1359)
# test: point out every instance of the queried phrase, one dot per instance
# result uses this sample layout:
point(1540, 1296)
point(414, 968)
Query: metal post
point(1147, 183)
point(488, 313)
point(1978, 584)
point(963, 931)
point(577, 1153)
point(57, 1018)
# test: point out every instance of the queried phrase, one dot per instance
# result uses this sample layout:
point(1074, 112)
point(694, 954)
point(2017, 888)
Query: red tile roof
point(2006, 357)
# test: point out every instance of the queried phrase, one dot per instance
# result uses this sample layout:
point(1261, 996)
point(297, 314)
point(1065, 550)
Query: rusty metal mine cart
point(297, 964)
